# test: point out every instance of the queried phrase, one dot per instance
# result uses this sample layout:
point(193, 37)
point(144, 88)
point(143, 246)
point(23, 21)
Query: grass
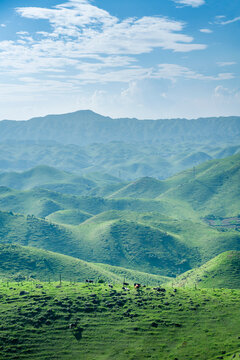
point(188, 324)
point(221, 272)
point(21, 262)
point(148, 242)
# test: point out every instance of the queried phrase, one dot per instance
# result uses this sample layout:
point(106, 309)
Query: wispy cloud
point(174, 71)
point(193, 3)
point(226, 63)
point(224, 92)
point(206, 31)
point(219, 20)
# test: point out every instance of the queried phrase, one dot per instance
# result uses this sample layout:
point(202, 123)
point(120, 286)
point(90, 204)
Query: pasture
point(40, 320)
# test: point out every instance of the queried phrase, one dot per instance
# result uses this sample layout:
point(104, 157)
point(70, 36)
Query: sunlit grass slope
point(77, 321)
point(221, 272)
point(212, 187)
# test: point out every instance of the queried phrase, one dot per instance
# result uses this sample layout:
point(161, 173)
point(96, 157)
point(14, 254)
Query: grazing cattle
point(109, 285)
point(159, 289)
point(89, 281)
point(23, 292)
point(137, 286)
point(125, 283)
point(124, 288)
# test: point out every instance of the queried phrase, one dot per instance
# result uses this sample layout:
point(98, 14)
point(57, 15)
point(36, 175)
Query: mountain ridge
point(85, 127)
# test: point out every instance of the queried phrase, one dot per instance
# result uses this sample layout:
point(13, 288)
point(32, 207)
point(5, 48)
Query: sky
point(149, 59)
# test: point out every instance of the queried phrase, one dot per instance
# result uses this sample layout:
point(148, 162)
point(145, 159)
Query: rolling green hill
point(148, 242)
point(147, 188)
point(131, 231)
point(52, 179)
point(20, 262)
point(120, 242)
point(221, 272)
point(69, 217)
point(212, 187)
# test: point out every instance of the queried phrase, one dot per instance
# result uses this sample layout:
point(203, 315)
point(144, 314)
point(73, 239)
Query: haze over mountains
point(85, 142)
point(86, 127)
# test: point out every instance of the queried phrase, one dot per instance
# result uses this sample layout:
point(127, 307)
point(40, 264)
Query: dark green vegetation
point(77, 321)
point(221, 272)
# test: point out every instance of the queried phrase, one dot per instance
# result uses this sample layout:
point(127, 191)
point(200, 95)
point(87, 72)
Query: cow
point(137, 286)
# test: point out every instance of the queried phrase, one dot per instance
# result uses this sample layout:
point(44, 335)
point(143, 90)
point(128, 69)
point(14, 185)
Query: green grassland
point(221, 272)
point(21, 262)
point(36, 318)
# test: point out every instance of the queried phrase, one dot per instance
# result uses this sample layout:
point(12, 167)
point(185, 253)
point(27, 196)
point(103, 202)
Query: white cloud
point(3, 25)
point(193, 3)
point(206, 31)
point(96, 31)
point(226, 63)
point(90, 43)
point(174, 71)
point(226, 93)
point(219, 20)
point(131, 91)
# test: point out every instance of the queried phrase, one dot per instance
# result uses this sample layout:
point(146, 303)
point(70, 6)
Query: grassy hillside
point(42, 203)
point(148, 242)
point(212, 187)
point(69, 217)
point(147, 188)
point(114, 324)
point(131, 232)
point(221, 272)
point(19, 262)
point(134, 245)
point(118, 243)
point(52, 179)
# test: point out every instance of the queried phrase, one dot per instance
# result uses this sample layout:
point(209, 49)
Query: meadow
point(41, 320)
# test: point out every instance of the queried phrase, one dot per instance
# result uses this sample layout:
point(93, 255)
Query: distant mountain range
point(87, 143)
point(86, 127)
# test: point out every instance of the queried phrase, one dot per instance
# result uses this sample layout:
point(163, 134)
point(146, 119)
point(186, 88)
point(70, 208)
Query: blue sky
point(128, 58)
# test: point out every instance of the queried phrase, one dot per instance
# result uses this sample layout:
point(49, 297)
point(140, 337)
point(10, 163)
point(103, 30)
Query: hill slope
point(212, 187)
point(18, 262)
point(221, 272)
